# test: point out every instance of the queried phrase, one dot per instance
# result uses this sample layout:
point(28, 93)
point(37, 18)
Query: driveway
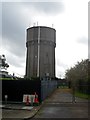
point(60, 105)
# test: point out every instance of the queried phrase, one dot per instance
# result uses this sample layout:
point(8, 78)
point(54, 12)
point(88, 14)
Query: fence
point(15, 89)
point(47, 87)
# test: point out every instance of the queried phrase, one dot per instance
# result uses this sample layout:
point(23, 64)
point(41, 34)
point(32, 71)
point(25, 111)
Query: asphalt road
point(59, 105)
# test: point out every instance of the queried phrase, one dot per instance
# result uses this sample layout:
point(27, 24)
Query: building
point(41, 43)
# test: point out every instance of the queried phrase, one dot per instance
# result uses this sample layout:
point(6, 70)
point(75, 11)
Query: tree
point(3, 64)
point(79, 75)
point(79, 71)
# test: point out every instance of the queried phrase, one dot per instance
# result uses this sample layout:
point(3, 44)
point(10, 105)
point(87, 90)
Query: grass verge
point(82, 95)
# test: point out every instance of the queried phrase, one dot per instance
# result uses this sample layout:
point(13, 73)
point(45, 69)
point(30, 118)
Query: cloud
point(50, 8)
point(83, 40)
point(15, 19)
point(61, 68)
point(0, 18)
point(17, 16)
point(60, 72)
point(31, 1)
point(13, 60)
point(61, 64)
point(13, 29)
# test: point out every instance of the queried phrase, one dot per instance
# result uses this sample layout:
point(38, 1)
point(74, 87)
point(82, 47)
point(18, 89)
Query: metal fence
point(47, 87)
point(81, 92)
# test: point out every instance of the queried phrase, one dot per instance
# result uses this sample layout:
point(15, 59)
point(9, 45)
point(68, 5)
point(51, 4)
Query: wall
point(16, 88)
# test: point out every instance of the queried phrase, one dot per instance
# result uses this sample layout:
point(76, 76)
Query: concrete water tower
point(41, 43)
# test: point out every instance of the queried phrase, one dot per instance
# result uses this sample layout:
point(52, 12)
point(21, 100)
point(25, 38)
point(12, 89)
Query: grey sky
point(14, 26)
point(17, 16)
point(82, 40)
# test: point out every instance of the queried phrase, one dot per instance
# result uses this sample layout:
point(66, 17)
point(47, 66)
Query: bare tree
point(3, 64)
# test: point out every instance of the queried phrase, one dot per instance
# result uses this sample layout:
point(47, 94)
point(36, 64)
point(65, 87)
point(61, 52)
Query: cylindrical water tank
point(41, 43)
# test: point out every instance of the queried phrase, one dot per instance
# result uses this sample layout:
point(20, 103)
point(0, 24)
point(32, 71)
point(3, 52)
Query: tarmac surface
point(18, 111)
point(60, 105)
point(57, 105)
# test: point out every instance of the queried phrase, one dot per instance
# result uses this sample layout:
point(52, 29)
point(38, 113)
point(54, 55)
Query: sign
point(31, 97)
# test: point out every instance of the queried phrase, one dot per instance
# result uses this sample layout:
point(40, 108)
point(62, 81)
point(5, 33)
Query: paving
point(61, 105)
point(18, 111)
point(58, 105)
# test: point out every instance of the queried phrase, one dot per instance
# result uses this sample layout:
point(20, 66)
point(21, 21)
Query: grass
point(82, 95)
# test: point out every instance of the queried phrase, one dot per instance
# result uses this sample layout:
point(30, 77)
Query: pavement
point(22, 111)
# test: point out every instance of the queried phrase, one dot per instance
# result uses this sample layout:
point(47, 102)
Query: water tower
point(41, 43)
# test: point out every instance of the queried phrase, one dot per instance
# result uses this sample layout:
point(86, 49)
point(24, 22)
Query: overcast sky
point(69, 18)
